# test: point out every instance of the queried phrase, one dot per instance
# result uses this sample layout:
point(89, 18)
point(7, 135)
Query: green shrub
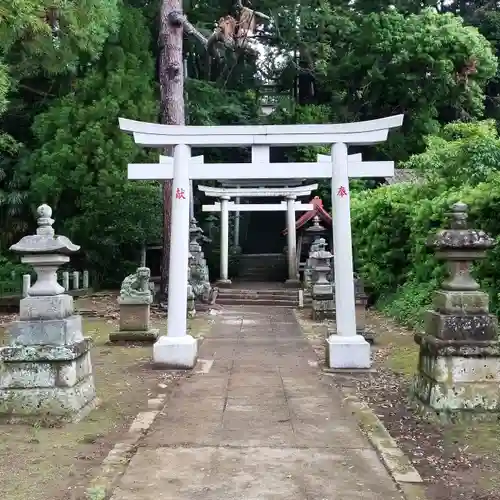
point(392, 224)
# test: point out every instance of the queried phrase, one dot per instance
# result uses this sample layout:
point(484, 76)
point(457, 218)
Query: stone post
point(65, 281)
point(224, 280)
point(143, 255)
point(323, 305)
point(292, 280)
point(361, 303)
point(26, 284)
point(459, 361)
point(76, 280)
point(46, 373)
point(237, 223)
point(85, 280)
point(346, 349)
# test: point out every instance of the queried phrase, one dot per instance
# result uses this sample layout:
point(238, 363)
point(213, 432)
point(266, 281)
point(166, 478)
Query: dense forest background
point(69, 69)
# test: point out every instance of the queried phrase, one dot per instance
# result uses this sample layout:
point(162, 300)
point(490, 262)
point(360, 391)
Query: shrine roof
point(317, 210)
point(403, 175)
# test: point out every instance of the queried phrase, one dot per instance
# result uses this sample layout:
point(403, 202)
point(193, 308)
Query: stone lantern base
point(458, 378)
point(323, 306)
point(46, 372)
point(134, 323)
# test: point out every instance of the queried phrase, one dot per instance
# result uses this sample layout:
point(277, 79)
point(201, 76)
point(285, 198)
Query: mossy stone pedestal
point(46, 372)
point(134, 323)
point(459, 360)
point(135, 301)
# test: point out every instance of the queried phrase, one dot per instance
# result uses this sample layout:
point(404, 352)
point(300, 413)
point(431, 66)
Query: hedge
point(391, 224)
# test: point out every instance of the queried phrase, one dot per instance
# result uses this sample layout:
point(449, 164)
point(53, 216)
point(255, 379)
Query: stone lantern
point(323, 303)
point(46, 374)
point(315, 232)
point(195, 233)
point(459, 361)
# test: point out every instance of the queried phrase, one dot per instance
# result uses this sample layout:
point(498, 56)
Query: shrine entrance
point(261, 232)
point(345, 348)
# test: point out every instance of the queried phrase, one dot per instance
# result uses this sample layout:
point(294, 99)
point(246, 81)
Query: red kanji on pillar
point(341, 191)
point(179, 194)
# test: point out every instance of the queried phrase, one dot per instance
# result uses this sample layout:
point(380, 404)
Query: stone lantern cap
point(44, 241)
point(195, 230)
point(459, 238)
point(316, 227)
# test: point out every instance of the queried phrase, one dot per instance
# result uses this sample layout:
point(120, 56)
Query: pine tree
point(79, 166)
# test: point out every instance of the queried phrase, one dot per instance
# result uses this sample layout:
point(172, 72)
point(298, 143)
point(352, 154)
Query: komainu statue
point(135, 287)
point(202, 289)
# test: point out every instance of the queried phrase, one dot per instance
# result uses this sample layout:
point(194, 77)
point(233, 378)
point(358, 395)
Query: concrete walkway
point(260, 425)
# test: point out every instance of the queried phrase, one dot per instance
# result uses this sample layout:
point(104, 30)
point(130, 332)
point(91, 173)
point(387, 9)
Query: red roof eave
point(317, 210)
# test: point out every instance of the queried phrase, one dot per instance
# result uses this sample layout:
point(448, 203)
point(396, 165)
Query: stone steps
point(293, 295)
point(267, 297)
point(255, 278)
point(262, 267)
point(227, 301)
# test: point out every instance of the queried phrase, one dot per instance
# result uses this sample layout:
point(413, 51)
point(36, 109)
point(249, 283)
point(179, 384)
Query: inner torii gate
point(290, 206)
point(346, 349)
point(290, 194)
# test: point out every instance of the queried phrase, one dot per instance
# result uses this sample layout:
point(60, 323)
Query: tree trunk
point(171, 76)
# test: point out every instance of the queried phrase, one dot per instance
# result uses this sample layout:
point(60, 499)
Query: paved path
point(261, 425)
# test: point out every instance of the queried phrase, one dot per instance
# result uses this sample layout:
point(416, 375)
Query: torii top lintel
point(158, 135)
point(296, 191)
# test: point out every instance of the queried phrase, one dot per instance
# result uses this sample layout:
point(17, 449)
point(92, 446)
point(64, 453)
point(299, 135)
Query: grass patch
point(481, 437)
point(403, 360)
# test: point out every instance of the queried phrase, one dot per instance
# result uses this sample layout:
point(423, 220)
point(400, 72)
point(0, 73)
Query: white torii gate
point(290, 193)
point(346, 349)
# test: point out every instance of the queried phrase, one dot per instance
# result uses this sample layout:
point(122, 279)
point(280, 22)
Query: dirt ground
point(39, 463)
point(456, 461)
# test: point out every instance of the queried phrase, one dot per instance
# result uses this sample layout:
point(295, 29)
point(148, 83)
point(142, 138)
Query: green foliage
point(79, 166)
point(369, 66)
point(30, 46)
point(461, 153)
point(209, 104)
point(4, 87)
point(391, 224)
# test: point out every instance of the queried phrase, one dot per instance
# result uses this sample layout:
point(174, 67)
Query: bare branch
point(222, 32)
point(179, 19)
